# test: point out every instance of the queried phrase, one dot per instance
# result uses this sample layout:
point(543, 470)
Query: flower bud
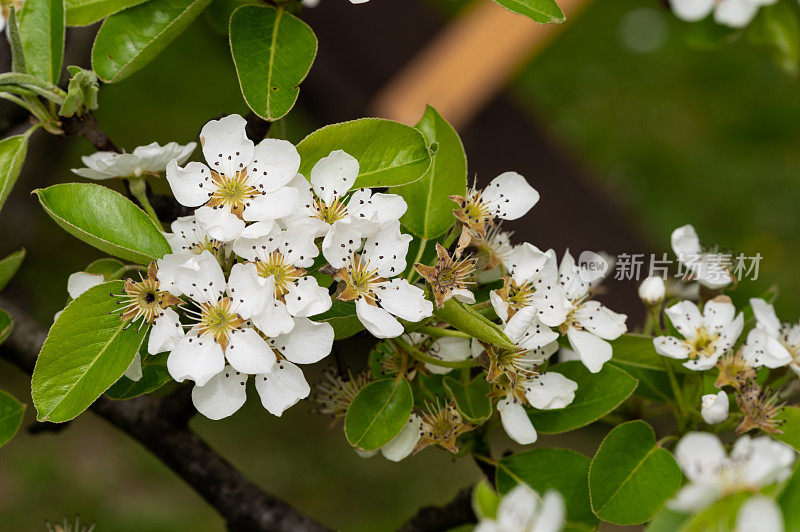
point(715, 408)
point(652, 289)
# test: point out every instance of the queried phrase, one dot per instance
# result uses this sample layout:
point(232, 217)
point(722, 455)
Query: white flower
point(733, 13)
point(403, 444)
point(652, 290)
point(242, 182)
point(589, 323)
point(521, 510)
point(447, 348)
point(280, 255)
point(707, 267)
point(328, 201)
point(80, 282)
point(771, 343)
point(759, 514)
point(367, 277)
point(714, 407)
point(705, 338)
point(150, 159)
point(752, 464)
point(545, 391)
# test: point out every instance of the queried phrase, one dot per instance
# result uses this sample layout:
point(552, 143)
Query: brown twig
point(160, 424)
point(437, 518)
point(87, 127)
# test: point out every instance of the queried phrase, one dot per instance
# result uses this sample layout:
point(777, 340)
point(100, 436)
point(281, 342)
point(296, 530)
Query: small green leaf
point(9, 266)
point(343, 318)
point(378, 413)
point(631, 476)
point(15, 42)
point(719, 516)
point(776, 29)
point(6, 325)
point(11, 413)
point(81, 93)
point(12, 155)
point(472, 398)
point(484, 500)
point(85, 12)
point(86, 351)
point(635, 354)
point(273, 51)
point(666, 521)
point(790, 415)
point(104, 219)
point(542, 469)
point(389, 154)
point(431, 209)
point(42, 31)
point(464, 318)
point(597, 395)
point(154, 376)
point(130, 39)
point(109, 268)
point(790, 501)
point(541, 11)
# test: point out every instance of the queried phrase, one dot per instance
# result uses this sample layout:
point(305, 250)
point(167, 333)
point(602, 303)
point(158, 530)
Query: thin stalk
point(138, 188)
point(413, 274)
point(422, 357)
point(676, 391)
point(438, 332)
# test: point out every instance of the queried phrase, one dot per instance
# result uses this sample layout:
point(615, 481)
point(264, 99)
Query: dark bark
point(86, 126)
point(161, 426)
point(439, 518)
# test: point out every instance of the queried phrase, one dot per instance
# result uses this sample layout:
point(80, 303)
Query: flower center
point(330, 213)
point(283, 273)
point(703, 344)
point(207, 244)
point(143, 299)
point(218, 320)
point(360, 280)
point(232, 191)
point(518, 296)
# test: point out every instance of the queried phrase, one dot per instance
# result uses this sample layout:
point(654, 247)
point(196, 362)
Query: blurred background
point(626, 131)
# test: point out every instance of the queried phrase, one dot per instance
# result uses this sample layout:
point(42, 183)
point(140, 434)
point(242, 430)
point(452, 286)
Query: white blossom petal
point(275, 163)
point(80, 282)
point(275, 320)
point(282, 387)
point(594, 351)
point(377, 320)
point(691, 10)
point(386, 250)
point(601, 321)
point(759, 514)
point(403, 444)
point(220, 223)
point(671, 347)
point(249, 292)
point(226, 146)
point(685, 316)
point(248, 352)
point(515, 421)
point(189, 184)
point(714, 407)
point(333, 176)
point(165, 333)
point(765, 316)
point(510, 196)
point(404, 300)
point(735, 13)
point(201, 278)
point(307, 343)
point(195, 358)
point(272, 205)
point(222, 395)
point(700, 454)
point(306, 298)
point(550, 391)
point(134, 371)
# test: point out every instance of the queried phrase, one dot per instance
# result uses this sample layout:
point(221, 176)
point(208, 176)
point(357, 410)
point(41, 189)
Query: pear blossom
point(507, 197)
point(402, 445)
point(80, 282)
point(149, 159)
point(733, 13)
point(652, 290)
point(589, 324)
point(522, 510)
point(714, 407)
point(771, 343)
point(281, 255)
point(706, 337)
point(706, 266)
point(543, 391)
point(366, 276)
point(753, 464)
point(187, 240)
point(759, 514)
point(242, 183)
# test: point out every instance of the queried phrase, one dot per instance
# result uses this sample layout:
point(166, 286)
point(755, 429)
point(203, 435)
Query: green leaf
point(42, 31)
point(541, 11)
point(635, 354)
point(464, 318)
point(597, 395)
point(378, 413)
point(86, 351)
point(472, 398)
point(130, 39)
point(154, 376)
point(81, 92)
point(11, 413)
point(631, 477)
point(542, 469)
point(6, 325)
point(9, 266)
point(389, 154)
point(776, 28)
point(790, 415)
point(273, 51)
point(15, 42)
point(28, 85)
point(12, 155)
point(342, 317)
point(109, 268)
point(104, 219)
point(790, 501)
point(432, 209)
point(666, 521)
point(85, 12)
point(707, 35)
point(484, 500)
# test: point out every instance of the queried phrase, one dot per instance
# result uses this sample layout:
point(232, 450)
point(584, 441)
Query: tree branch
point(160, 424)
point(87, 127)
point(437, 518)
